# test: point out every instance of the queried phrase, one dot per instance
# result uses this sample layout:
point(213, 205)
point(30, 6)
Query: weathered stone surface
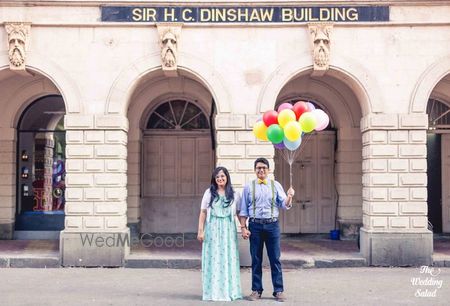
point(34, 262)
point(397, 249)
point(92, 249)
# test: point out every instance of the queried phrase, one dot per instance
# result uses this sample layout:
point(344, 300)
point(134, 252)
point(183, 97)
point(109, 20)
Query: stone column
point(96, 232)
point(395, 219)
point(7, 182)
point(348, 181)
point(134, 187)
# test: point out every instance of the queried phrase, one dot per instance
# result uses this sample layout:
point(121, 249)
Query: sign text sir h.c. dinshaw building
point(281, 14)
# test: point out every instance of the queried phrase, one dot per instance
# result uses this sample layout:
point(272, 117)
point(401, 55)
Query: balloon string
point(291, 156)
point(290, 175)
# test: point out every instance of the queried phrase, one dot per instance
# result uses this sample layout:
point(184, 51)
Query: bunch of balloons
point(286, 126)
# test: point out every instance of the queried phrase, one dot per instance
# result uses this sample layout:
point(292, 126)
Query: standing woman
point(217, 230)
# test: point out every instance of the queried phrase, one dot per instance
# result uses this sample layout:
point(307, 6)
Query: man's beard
point(321, 57)
point(16, 57)
point(169, 58)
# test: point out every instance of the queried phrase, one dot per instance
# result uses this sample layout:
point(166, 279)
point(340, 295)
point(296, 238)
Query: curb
point(441, 263)
point(164, 263)
point(340, 263)
point(143, 263)
point(30, 262)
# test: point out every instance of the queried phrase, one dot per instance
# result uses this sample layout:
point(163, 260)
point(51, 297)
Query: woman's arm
point(203, 214)
point(201, 225)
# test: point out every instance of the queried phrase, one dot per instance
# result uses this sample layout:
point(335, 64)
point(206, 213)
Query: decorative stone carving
point(18, 34)
point(169, 35)
point(320, 43)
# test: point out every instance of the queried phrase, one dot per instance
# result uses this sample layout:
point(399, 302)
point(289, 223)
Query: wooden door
point(445, 153)
point(177, 170)
point(313, 181)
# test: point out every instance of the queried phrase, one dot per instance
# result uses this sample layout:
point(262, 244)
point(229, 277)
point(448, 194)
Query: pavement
point(172, 287)
point(297, 252)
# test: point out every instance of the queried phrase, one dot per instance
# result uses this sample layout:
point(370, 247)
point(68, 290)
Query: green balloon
point(275, 133)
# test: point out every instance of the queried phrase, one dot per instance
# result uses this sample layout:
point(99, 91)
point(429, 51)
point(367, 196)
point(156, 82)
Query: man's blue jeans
point(268, 234)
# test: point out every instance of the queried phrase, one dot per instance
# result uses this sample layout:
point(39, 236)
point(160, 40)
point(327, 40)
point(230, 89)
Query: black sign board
point(244, 14)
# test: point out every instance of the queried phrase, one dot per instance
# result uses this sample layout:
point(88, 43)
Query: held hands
point(245, 233)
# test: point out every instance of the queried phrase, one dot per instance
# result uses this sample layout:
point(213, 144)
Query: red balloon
point(270, 117)
point(300, 108)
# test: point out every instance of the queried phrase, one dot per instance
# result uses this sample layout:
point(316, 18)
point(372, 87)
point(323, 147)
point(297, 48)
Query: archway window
point(178, 115)
point(438, 115)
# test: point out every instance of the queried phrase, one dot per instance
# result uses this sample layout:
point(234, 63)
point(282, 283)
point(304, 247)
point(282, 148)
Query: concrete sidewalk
point(172, 287)
point(297, 252)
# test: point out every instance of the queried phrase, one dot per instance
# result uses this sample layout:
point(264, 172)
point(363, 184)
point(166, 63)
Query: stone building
point(113, 116)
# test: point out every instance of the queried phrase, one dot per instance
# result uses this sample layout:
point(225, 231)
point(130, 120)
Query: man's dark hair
point(262, 160)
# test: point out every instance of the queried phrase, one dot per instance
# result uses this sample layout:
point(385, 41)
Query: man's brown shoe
point(279, 296)
point(254, 296)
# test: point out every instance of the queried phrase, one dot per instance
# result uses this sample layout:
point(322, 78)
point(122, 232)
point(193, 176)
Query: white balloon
point(322, 119)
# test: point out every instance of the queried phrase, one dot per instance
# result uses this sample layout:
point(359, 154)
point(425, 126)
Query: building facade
point(114, 116)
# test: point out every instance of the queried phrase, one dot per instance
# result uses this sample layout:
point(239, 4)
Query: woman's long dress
point(220, 255)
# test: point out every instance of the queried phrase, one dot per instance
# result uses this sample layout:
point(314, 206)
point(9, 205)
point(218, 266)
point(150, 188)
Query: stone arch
point(143, 101)
point(67, 88)
point(348, 70)
point(426, 84)
point(24, 96)
point(123, 87)
point(342, 114)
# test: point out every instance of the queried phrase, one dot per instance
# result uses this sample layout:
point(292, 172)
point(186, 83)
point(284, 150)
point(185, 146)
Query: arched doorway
point(29, 102)
point(327, 174)
point(41, 169)
point(171, 152)
point(315, 208)
point(438, 161)
point(177, 161)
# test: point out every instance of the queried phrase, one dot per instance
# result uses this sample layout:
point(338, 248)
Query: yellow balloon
point(308, 122)
point(285, 116)
point(292, 130)
point(260, 129)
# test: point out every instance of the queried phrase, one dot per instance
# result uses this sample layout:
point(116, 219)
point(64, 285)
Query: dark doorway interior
point(434, 181)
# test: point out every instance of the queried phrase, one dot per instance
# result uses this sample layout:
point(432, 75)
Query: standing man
point(261, 200)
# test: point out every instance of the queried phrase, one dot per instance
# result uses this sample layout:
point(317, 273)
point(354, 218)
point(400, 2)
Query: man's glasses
point(261, 168)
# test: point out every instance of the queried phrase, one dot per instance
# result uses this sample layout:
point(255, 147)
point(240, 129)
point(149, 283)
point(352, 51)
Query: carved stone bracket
point(320, 38)
point(169, 37)
point(18, 36)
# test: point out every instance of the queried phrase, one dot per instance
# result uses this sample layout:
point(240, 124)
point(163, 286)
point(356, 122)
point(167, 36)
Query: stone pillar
point(96, 232)
point(7, 182)
point(134, 187)
point(395, 219)
point(348, 182)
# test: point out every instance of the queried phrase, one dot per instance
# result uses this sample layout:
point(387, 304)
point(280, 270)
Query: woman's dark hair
point(229, 192)
point(261, 160)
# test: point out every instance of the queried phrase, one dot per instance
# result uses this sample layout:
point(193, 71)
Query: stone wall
point(96, 191)
point(7, 183)
point(395, 190)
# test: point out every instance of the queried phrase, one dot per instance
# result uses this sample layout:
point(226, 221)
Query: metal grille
point(178, 114)
point(438, 115)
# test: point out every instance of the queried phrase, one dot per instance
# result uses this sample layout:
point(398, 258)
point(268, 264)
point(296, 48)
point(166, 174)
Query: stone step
point(287, 264)
point(36, 235)
point(29, 262)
